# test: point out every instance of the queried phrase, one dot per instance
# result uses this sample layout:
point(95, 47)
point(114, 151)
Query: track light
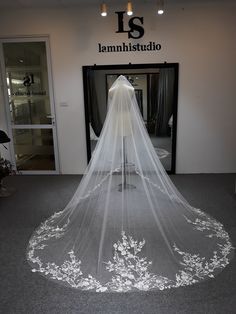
point(103, 9)
point(160, 7)
point(129, 8)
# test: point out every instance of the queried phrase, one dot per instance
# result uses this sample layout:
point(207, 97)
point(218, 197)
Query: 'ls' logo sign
point(133, 27)
point(28, 80)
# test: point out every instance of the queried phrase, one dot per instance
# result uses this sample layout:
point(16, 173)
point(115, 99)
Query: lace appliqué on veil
point(130, 271)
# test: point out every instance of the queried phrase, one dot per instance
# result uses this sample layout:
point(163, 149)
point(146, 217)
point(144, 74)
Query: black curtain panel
point(153, 82)
point(139, 97)
point(164, 101)
point(94, 116)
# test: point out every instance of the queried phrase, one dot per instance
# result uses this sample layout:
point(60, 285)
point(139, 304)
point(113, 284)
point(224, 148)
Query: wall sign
point(151, 46)
point(135, 31)
point(28, 79)
point(132, 26)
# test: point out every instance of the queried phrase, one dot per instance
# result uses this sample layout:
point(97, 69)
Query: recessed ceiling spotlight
point(129, 8)
point(103, 9)
point(160, 7)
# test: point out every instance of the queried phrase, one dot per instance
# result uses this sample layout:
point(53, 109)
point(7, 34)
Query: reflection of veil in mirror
point(127, 227)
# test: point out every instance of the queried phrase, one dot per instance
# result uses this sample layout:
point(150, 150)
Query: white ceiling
point(50, 3)
point(67, 3)
point(43, 3)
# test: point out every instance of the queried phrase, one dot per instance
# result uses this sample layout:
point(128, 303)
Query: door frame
point(11, 126)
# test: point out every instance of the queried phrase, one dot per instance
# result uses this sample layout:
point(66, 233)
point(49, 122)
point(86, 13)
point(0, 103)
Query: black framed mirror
point(156, 89)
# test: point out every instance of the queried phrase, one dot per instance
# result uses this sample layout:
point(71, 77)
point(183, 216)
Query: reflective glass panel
point(34, 149)
point(27, 82)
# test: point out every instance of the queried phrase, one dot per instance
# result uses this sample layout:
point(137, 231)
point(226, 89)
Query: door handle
point(49, 116)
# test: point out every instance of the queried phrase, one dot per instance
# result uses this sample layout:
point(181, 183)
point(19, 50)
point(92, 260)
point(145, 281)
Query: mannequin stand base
point(122, 187)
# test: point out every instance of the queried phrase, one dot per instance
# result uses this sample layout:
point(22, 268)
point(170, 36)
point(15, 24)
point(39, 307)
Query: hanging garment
point(127, 228)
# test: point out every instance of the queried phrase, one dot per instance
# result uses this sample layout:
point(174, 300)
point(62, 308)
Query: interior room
point(117, 133)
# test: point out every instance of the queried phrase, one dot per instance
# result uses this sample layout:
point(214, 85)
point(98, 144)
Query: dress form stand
point(125, 185)
point(124, 118)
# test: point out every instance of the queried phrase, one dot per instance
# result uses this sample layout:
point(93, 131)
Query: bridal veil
point(127, 228)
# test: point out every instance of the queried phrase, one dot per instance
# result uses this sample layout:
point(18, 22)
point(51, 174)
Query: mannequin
point(125, 129)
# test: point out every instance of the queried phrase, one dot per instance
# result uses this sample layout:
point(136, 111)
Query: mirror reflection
point(156, 93)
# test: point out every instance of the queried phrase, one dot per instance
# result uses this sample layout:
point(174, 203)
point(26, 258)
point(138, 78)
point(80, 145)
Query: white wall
point(201, 38)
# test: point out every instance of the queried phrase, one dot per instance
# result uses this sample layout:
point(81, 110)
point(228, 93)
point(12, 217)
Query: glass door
point(30, 105)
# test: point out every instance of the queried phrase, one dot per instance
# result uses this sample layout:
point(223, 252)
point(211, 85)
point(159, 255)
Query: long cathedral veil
point(127, 227)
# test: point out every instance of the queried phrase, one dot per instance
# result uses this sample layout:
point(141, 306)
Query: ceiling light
point(160, 7)
point(129, 8)
point(103, 9)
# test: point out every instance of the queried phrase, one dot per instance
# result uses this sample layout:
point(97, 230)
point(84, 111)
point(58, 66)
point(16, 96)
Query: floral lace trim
point(129, 269)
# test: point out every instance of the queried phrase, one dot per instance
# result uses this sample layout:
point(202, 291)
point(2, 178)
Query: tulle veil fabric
point(127, 228)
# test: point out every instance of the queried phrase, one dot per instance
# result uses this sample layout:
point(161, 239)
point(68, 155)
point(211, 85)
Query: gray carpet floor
point(37, 197)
